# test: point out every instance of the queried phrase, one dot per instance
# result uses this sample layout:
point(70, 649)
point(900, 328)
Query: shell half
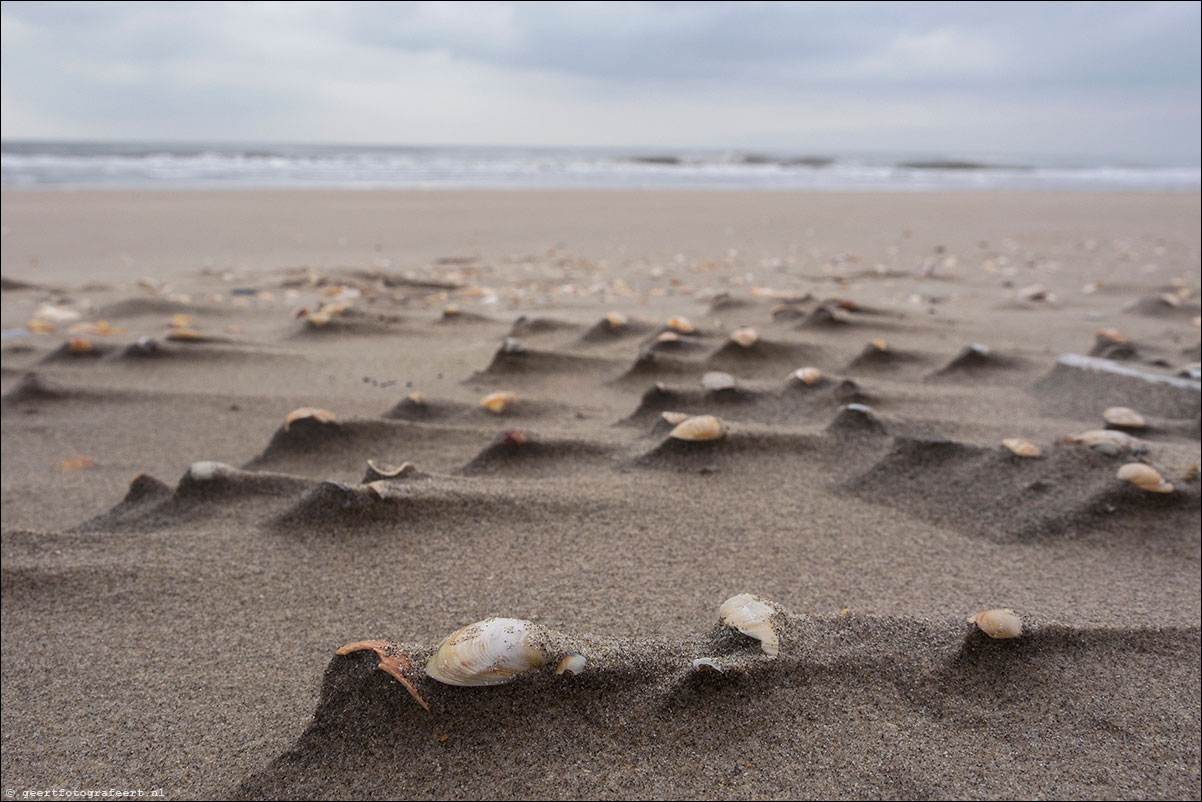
point(997, 623)
point(752, 616)
point(1145, 477)
point(700, 427)
point(489, 652)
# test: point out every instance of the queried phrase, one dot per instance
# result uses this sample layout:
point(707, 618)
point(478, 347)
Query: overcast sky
point(1114, 79)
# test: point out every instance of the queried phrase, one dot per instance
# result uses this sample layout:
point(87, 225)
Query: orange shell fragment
point(392, 662)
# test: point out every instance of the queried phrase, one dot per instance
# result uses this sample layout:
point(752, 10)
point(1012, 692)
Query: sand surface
point(170, 624)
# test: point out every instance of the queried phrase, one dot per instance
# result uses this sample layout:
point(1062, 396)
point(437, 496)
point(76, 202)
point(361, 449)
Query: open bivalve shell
point(489, 652)
point(997, 623)
point(752, 616)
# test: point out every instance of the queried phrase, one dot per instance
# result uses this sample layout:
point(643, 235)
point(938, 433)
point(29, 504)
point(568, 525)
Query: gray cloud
point(1115, 77)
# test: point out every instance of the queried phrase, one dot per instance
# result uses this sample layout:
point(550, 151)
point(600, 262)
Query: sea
point(201, 165)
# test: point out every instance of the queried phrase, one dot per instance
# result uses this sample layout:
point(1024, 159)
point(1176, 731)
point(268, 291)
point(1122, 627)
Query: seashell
point(745, 336)
point(717, 380)
point(488, 652)
point(79, 345)
point(207, 470)
point(1124, 416)
point(997, 623)
point(182, 321)
point(572, 663)
point(1108, 441)
point(186, 335)
point(807, 375)
point(681, 324)
point(700, 427)
point(675, 417)
point(880, 345)
point(1144, 476)
point(1035, 292)
point(451, 312)
point(1022, 448)
point(79, 463)
point(417, 398)
point(1171, 299)
point(513, 346)
point(319, 318)
point(39, 326)
point(321, 415)
point(667, 337)
point(498, 401)
point(714, 663)
point(513, 437)
point(1111, 335)
point(378, 470)
point(616, 320)
point(752, 616)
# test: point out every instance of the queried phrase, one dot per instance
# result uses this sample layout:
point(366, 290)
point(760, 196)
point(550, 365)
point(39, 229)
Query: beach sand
point(172, 626)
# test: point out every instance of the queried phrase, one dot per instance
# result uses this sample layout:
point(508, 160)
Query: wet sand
point(180, 562)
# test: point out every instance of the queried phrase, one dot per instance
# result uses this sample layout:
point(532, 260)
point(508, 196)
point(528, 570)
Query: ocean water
point(123, 165)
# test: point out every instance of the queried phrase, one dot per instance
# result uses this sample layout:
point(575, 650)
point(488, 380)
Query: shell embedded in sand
point(319, 318)
point(79, 345)
point(997, 623)
point(745, 336)
point(497, 402)
point(182, 321)
point(378, 470)
point(1144, 476)
point(1124, 416)
point(512, 345)
point(714, 663)
point(206, 470)
point(667, 337)
point(416, 398)
point(807, 375)
point(571, 664)
point(880, 344)
point(717, 380)
point(451, 310)
point(616, 320)
point(1107, 441)
point(513, 437)
point(700, 427)
point(752, 616)
point(675, 417)
point(1022, 448)
point(1111, 335)
point(488, 652)
point(681, 324)
point(320, 415)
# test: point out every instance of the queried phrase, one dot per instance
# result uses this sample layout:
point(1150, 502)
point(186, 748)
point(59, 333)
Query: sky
point(1111, 79)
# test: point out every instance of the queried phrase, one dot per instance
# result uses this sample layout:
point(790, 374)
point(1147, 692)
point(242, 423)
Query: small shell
point(616, 320)
point(417, 398)
point(681, 324)
point(1125, 417)
point(184, 335)
point(377, 471)
point(700, 427)
point(79, 345)
point(1108, 441)
point(714, 663)
point(319, 318)
point(206, 470)
point(997, 623)
point(497, 402)
point(807, 375)
point(513, 437)
point(182, 321)
point(512, 345)
point(1021, 447)
point(717, 380)
point(1111, 335)
point(880, 345)
point(489, 652)
point(745, 336)
point(572, 663)
point(667, 337)
point(752, 616)
point(451, 311)
point(675, 417)
point(320, 415)
point(1144, 476)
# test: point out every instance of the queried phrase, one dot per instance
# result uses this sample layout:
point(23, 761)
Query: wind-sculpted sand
point(949, 445)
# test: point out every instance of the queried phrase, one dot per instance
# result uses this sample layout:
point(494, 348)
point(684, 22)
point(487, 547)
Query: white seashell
point(745, 336)
point(998, 623)
point(1022, 448)
point(807, 375)
point(616, 320)
point(709, 662)
point(320, 415)
point(488, 652)
point(752, 616)
point(700, 427)
point(681, 324)
point(1124, 416)
point(572, 663)
point(675, 417)
point(667, 337)
point(1107, 441)
point(717, 380)
point(498, 401)
point(1144, 476)
point(206, 470)
point(879, 344)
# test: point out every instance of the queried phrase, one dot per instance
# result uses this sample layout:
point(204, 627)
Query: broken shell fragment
point(320, 415)
point(745, 336)
point(752, 616)
point(667, 337)
point(681, 324)
point(1125, 417)
point(488, 652)
point(571, 664)
point(997, 623)
point(1022, 448)
point(378, 471)
point(1145, 477)
point(807, 375)
point(392, 661)
point(713, 663)
point(717, 380)
point(700, 427)
point(207, 470)
point(497, 402)
point(674, 417)
point(79, 345)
